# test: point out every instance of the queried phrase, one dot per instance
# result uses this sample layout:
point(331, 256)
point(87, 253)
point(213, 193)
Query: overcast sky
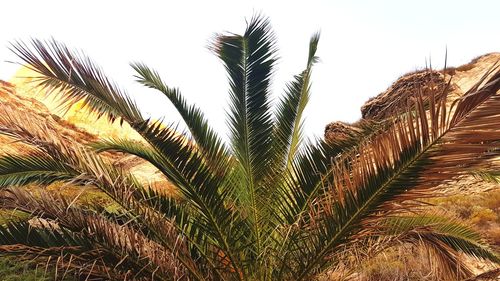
point(364, 46)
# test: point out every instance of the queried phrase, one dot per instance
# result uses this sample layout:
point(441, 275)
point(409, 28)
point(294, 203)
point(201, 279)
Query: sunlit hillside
point(75, 114)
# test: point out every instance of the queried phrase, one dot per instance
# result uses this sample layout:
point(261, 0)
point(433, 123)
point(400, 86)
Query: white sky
point(364, 46)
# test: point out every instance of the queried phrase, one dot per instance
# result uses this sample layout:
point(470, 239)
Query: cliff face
point(397, 98)
point(75, 115)
point(473, 201)
point(76, 125)
point(400, 94)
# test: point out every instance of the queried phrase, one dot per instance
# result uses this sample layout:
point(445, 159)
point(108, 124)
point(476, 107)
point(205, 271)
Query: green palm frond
point(488, 176)
point(201, 186)
point(206, 139)
point(16, 170)
point(249, 60)
point(287, 139)
point(19, 233)
point(74, 77)
point(445, 230)
point(158, 200)
point(312, 168)
point(289, 123)
point(305, 179)
point(172, 208)
point(139, 149)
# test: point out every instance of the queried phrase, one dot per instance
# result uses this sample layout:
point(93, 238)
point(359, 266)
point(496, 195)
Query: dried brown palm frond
point(79, 165)
point(121, 245)
point(490, 275)
point(426, 243)
point(442, 239)
point(423, 149)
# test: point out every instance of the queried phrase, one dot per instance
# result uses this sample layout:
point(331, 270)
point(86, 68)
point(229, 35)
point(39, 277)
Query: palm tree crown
point(264, 206)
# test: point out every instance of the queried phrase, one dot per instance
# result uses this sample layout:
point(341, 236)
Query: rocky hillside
point(473, 200)
point(455, 81)
point(75, 124)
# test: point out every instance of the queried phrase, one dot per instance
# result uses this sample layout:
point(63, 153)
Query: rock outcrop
point(401, 94)
point(454, 81)
point(339, 131)
point(472, 200)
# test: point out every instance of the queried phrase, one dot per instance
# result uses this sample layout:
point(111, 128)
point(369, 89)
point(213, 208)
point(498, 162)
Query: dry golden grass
point(482, 211)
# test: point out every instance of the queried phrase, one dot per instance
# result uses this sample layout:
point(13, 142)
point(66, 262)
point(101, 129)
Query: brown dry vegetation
point(481, 210)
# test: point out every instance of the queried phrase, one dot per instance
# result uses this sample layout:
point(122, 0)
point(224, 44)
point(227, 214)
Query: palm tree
point(265, 206)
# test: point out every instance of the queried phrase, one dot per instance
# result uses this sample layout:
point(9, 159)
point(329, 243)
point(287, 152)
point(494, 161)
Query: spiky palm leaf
point(417, 154)
point(206, 139)
point(33, 168)
point(411, 237)
point(488, 176)
point(265, 207)
point(75, 75)
point(445, 238)
point(72, 230)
